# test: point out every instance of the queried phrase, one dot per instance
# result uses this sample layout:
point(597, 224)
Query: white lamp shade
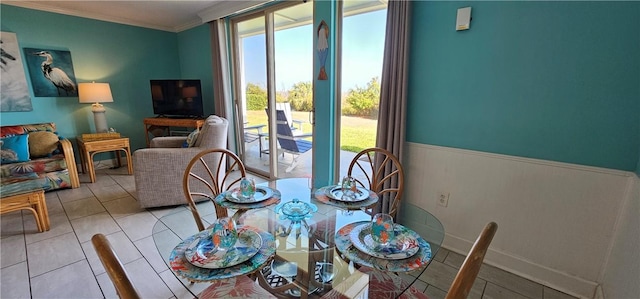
point(94, 93)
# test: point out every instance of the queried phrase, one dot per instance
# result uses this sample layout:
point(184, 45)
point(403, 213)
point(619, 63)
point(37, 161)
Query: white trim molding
point(556, 221)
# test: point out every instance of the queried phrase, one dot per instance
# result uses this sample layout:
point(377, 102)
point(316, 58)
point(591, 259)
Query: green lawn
point(357, 133)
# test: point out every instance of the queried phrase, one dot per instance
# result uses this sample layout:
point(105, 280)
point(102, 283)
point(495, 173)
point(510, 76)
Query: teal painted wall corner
point(194, 47)
point(126, 57)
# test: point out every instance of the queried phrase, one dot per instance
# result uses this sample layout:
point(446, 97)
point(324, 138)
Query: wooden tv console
point(166, 123)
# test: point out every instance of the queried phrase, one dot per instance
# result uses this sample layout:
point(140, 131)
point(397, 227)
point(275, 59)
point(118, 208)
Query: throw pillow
point(191, 139)
point(15, 149)
point(42, 143)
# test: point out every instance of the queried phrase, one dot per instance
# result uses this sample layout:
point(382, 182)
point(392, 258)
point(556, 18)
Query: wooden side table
point(166, 123)
point(32, 200)
point(89, 148)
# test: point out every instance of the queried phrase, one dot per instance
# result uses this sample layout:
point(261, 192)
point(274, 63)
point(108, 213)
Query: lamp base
point(99, 118)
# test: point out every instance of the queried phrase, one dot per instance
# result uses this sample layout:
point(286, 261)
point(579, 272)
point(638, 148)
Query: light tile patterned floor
point(62, 263)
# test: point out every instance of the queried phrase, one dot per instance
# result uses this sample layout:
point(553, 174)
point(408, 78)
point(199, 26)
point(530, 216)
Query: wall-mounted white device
point(463, 19)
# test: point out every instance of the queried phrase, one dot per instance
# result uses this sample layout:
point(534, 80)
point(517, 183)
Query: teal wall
point(126, 57)
point(549, 80)
point(195, 61)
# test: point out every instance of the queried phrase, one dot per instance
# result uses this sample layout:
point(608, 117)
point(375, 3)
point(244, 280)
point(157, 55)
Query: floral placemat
point(221, 200)
point(321, 196)
point(181, 266)
point(345, 246)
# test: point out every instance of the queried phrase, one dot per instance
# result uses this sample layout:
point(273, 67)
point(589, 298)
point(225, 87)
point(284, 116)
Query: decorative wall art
point(51, 73)
point(15, 93)
point(323, 48)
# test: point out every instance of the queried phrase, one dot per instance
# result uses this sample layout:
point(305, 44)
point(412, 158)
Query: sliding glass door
point(273, 62)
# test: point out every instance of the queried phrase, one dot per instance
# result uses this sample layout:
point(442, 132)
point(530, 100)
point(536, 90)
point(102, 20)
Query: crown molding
point(100, 17)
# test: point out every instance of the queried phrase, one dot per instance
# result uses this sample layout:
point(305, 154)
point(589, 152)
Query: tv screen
point(177, 98)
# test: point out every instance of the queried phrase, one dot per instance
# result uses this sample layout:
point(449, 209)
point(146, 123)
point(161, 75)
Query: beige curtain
point(393, 87)
point(221, 78)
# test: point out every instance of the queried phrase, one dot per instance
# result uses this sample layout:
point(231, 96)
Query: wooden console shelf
point(166, 123)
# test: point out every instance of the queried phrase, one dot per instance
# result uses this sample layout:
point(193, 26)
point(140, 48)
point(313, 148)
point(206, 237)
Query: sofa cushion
point(42, 143)
point(191, 139)
point(15, 149)
point(25, 169)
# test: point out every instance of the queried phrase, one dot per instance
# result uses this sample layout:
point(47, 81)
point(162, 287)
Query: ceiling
point(176, 16)
point(173, 16)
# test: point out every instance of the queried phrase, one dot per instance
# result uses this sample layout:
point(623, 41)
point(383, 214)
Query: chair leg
point(294, 163)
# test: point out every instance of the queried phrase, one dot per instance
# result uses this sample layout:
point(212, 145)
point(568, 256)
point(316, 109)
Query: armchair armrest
point(168, 142)
point(70, 160)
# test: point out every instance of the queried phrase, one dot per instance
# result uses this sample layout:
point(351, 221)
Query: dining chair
point(208, 174)
point(236, 287)
point(114, 268)
point(468, 272)
point(380, 171)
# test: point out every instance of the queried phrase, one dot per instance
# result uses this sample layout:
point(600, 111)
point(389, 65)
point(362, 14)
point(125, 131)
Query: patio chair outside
point(294, 145)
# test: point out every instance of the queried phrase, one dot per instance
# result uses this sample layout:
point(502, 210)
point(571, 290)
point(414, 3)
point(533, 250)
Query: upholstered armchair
point(158, 170)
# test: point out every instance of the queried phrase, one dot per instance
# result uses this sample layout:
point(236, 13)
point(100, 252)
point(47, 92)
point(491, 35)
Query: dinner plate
point(335, 193)
point(202, 253)
point(404, 244)
point(261, 194)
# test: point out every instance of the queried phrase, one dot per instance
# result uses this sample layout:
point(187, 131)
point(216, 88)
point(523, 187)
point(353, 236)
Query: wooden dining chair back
point(380, 171)
point(114, 268)
point(468, 272)
point(208, 174)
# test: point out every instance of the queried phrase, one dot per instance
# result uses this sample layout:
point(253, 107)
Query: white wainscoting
point(556, 221)
point(622, 271)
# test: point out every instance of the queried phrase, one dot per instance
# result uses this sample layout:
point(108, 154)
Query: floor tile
point(122, 207)
point(12, 251)
point(493, 291)
point(137, 226)
point(550, 293)
point(74, 194)
point(107, 193)
point(108, 290)
point(88, 226)
point(53, 203)
point(101, 181)
point(148, 248)
point(441, 255)
point(146, 280)
point(14, 282)
point(11, 224)
point(54, 253)
point(123, 247)
point(72, 281)
point(455, 259)
point(441, 276)
point(60, 225)
point(513, 282)
point(83, 207)
point(435, 293)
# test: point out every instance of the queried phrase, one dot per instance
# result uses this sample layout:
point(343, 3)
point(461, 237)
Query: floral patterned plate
point(350, 252)
point(335, 193)
point(202, 253)
point(404, 244)
point(261, 194)
point(184, 268)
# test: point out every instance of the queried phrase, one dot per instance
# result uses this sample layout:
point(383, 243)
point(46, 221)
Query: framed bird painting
point(15, 93)
point(51, 73)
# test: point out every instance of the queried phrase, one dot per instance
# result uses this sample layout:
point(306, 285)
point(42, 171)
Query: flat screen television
point(177, 98)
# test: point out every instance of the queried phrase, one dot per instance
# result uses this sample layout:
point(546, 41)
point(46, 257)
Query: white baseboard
point(563, 282)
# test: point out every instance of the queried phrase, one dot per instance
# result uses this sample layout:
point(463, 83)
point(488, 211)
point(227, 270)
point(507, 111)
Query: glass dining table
point(314, 256)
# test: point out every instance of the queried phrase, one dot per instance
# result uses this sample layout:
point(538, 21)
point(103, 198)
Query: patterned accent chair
point(158, 170)
point(55, 170)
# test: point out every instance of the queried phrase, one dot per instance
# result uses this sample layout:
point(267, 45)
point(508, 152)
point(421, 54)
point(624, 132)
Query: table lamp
point(96, 93)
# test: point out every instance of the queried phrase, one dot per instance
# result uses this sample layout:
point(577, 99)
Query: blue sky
point(363, 44)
